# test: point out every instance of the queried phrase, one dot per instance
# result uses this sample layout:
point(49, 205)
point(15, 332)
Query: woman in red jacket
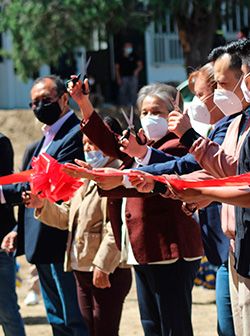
point(165, 244)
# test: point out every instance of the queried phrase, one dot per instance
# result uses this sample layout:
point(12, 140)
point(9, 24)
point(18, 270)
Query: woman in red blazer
point(165, 243)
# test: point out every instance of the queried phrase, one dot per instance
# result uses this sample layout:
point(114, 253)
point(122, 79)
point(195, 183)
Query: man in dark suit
point(45, 246)
point(10, 318)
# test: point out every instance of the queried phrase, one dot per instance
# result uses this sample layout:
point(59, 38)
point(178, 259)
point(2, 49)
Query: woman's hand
point(108, 182)
point(178, 123)
point(82, 99)
point(75, 89)
point(188, 195)
point(32, 201)
point(79, 170)
point(144, 182)
point(100, 279)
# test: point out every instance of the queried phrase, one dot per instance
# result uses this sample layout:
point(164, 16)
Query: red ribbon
point(51, 182)
point(16, 178)
point(236, 180)
point(46, 179)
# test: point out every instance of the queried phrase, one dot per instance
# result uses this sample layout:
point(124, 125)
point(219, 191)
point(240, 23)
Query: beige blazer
point(220, 161)
point(85, 219)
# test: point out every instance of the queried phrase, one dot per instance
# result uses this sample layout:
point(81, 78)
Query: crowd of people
point(83, 249)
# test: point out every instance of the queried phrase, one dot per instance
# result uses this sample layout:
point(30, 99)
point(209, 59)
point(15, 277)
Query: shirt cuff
point(145, 160)
point(189, 137)
point(106, 272)
point(2, 198)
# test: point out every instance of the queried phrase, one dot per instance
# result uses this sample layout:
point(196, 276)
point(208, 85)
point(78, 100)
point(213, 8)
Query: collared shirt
point(49, 134)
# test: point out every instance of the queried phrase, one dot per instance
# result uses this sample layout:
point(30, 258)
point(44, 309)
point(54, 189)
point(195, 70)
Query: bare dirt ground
point(21, 127)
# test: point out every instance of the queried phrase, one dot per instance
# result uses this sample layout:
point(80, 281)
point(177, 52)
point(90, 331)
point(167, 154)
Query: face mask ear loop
point(204, 100)
point(239, 81)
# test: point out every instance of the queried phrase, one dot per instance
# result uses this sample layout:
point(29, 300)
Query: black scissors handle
point(75, 80)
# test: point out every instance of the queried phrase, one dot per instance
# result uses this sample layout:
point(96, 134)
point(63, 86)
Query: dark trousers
point(102, 308)
point(165, 297)
point(58, 289)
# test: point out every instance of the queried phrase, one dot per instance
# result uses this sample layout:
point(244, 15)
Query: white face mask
point(227, 101)
point(198, 111)
point(96, 158)
point(244, 89)
point(155, 127)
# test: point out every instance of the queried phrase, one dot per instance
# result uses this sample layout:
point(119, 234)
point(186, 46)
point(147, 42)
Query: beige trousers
point(240, 300)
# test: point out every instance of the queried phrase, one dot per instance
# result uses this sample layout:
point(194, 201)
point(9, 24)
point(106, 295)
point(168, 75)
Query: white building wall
point(13, 92)
point(161, 67)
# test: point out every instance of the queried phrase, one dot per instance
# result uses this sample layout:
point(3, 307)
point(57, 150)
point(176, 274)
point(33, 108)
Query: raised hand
point(178, 122)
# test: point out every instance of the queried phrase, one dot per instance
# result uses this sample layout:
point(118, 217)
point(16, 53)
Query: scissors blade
point(87, 65)
point(128, 120)
point(177, 98)
point(131, 118)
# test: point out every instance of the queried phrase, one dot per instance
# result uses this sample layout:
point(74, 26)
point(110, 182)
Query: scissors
point(131, 128)
point(76, 79)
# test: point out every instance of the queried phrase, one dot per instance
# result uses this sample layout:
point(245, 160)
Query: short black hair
point(59, 83)
point(113, 124)
point(235, 64)
point(216, 53)
point(241, 48)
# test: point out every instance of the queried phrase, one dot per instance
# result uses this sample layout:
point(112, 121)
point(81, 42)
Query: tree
point(43, 30)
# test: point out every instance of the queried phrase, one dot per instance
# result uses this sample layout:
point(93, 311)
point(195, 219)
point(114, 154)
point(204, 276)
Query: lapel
point(36, 152)
point(167, 137)
point(71, 122)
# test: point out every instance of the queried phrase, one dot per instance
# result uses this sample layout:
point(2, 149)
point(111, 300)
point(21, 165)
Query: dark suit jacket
point(43, 244)
point(216, 244)
point(27, 156)
point(158, 228)
point(7, 219)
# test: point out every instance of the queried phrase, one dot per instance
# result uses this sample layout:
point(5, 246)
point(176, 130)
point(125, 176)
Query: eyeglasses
point(44, 101)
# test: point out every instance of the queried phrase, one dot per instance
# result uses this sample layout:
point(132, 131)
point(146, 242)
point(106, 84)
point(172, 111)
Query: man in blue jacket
point(45, 246)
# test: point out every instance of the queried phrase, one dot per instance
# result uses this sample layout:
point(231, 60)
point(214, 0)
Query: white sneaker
point(31, 299)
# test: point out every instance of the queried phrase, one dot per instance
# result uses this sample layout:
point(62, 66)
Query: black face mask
point(47, 113)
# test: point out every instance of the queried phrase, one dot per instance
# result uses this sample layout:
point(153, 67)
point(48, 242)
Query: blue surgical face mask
point(96, 158)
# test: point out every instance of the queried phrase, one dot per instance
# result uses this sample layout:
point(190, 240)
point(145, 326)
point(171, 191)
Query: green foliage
point(44, 30)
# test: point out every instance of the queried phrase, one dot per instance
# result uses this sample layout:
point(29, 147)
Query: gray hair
point(166, 93)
